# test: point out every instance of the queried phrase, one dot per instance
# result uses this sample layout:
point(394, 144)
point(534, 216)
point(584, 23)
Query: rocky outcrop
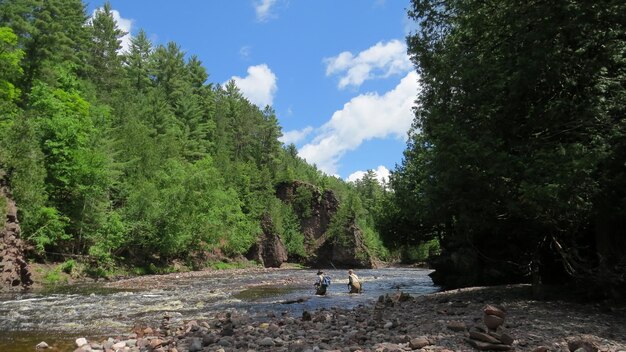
point(14, 273)
point(351, 252)
point(269, 250)
point(315, 210)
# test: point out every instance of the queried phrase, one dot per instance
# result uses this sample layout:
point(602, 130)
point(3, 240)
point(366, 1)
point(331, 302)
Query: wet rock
point(306, 316)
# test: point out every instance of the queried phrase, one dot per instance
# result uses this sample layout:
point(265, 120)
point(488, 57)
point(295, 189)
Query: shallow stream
point(60, 315)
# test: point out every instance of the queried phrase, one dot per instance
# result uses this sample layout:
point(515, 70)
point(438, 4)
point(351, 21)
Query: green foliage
point(227, 266)
point(55, 276)
point(518, 111)
point(68, 266)
point(287, 225)
point(134, 159)
point(421, 252)
point(10, 70)
point(303, 202)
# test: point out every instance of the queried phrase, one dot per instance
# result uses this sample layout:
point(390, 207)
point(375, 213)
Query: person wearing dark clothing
point(320, 286)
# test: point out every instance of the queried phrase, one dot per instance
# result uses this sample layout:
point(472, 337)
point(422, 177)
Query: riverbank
point(434, 322)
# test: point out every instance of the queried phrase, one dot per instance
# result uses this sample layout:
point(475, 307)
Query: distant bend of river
point(114, 308)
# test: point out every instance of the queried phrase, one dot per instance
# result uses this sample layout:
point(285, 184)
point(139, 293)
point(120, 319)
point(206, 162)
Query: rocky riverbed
point(443, 321)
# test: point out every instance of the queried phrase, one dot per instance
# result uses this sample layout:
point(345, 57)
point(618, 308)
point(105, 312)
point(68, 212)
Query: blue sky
point(336, 72)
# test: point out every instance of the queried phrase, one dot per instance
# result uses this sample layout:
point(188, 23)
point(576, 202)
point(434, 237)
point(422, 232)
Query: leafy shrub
point(68, 266)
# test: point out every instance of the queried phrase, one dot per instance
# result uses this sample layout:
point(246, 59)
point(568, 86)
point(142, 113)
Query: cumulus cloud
point(124, 24)
point(364, 117)
point(380, 61)
point(382, 175)
point(263, 10)
point(259, 86)
point(295, 136)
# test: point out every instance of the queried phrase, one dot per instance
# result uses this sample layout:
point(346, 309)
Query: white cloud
point(295, 136)
point(380, 61)
point(259, 86)
point(364, 117)
point(263, 9)
point(382, 175)
point(124, 24)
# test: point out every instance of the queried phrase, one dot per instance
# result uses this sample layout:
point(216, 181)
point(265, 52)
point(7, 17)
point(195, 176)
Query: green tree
point(137, 61)
point(104, 60)
point(10, 72)
point(510, 130)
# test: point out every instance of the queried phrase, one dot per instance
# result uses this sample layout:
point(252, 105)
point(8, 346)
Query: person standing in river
point(354, 284)
point(321, 285)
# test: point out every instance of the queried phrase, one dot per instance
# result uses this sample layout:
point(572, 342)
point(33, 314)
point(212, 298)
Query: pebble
point(81, 341)
point(408, 326)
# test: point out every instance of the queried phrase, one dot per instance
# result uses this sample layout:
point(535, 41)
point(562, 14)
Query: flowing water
point(59, 316)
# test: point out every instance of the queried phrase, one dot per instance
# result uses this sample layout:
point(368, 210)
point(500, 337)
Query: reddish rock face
point(14, 274)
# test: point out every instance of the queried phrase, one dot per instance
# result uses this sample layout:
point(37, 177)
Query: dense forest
point(514, 171)
point(517, 156)
point(134, 157)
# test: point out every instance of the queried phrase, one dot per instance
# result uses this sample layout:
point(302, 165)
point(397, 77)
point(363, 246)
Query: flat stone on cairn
point(490, 339)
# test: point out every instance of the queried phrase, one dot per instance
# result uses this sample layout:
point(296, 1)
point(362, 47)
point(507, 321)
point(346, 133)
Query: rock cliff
point(269, 249)
point(14, 273)
point(315, 210)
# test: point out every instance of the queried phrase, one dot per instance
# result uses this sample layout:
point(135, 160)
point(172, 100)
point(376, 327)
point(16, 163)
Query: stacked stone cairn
point(491, 338)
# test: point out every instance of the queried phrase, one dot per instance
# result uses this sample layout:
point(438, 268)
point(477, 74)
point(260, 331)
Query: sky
point(336, 72)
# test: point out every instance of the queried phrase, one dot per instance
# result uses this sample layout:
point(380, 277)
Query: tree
point(517, 102)
point(105, 62)
point(138, 61)
point(10, 72)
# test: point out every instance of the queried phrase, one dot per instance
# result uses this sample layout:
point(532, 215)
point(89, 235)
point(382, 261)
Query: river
point(61, 314)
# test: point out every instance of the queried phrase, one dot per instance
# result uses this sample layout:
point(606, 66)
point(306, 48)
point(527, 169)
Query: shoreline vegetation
point(443, 321)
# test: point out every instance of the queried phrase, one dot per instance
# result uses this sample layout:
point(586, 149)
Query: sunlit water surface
point(59, 316)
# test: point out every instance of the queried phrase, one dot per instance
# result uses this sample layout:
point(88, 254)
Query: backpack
point(326, 281)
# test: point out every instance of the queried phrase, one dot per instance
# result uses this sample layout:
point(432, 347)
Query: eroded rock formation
point(14, 273)
point(269, 249)
point(315, 211)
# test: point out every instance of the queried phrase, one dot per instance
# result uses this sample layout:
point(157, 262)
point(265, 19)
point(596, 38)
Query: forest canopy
point(134, 155)
point(516, 160)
